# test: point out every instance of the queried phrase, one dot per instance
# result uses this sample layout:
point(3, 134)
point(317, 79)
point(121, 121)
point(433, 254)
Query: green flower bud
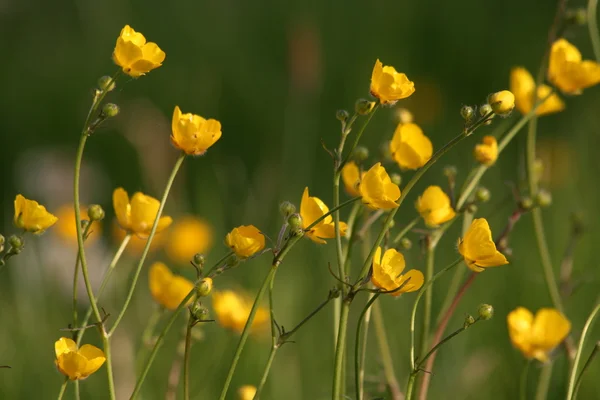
point(360, 154)
point(485, 110)
point(363, 106)
point(396, 179)
point(287, 208)
point(543, 198)
point(405, 243)
point(198, 311)
point(526, 203)
point(106, 83)
point(110, 110)
point(232, 261)
point(483, 194)
point(469, 320)
point(199, 260)
point(205, 287)
point(1, 243)
point(450, 171)
point(472, 208)
point(84, 224)
point(342, 115)
point(295, 222)
point(467, 113)
point(95, 213)
point(15, 242)
point(486, 311)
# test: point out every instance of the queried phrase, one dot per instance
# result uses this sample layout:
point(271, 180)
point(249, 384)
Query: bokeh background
point(274, 73)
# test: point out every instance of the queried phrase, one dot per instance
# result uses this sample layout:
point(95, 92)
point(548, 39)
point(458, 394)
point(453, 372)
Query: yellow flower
point(245, 240)
point(311, 209)
point(502, 102)
point(377, 189)
point(138, 215)
point(434, 206)
point(410, 147)
point(351, 176)
point(137, 244)
point(31, 216)
point(77, 363)
point(487, 152)
point(523, 87)
point(192, 133)
point(387, 273)
point(189, 236)
point(478, 248)
point(66, 228)
point(168, 289)
point(388, 85)
point(246, 392)
point(134, 55)
point(232, 311)
point(568, 72)
point(536, 336)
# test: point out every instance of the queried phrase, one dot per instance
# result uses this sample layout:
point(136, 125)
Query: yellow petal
point(72, 365)
point(415, 283)
point(122, 208)
point(95, 358)
point(351, 178)
point(549, 329)
point(410, 147)
point(64, 345)
point(478, 248)
point(312, 208)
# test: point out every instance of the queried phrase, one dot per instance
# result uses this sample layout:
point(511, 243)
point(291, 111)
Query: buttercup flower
point(410, 147)
point(387, 273)
point(502, 102)
point(377, 189)
point(188, 236)
point(487, 152)
point(568, 72)
point(137, 244)
point(478, 248)
point(246, 392)
point(245, 240)
point(66, 226)
point(536, 336)
point(232, 311)
point(522, 85)
point(134, 55)
point(138, 215)
point(31, 216)
point(311, 209)
point(77, 363)
point(434, 206)
point(168, 289)
point(388, 85)
point(192, 133)
point(351, 177)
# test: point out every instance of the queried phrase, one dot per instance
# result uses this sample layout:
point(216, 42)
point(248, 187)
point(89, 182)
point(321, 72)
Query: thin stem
point(265, 374)
point(544, 382)
point(523, 381)
point(109, 370)
point(405, 230)
point(585, 367)
point(331, 211)
point(86, 231)
point(147, 337)
point(358, 361)
point(592, 21)
point(218, 264)
point(63, 388)
point(148, 242)
point(340, 349)
point(586, 328)
point(186, 359)
point(429, 267)
point(357, 139)
point(384, 353)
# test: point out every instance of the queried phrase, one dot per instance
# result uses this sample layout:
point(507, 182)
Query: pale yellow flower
point(311, 209)
point(168, 289)
point(410, 147)
point(232, 311)
point(137, 216)
point(434, 206)
point(188, 236)
point(526, 94)
point(568, 72)
point(388, 85)
point(487, 152)
point(192, 133)
point(387, 273)
point(134, 55)
point(245, 240)
point(77, 363)
point(377, 189)
point(478, 248)
point(31, 216)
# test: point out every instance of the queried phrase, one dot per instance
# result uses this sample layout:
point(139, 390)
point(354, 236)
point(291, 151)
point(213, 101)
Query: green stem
point(148, 242)
point(523, 382)
point(186, 359)
point(147, 338)
point(63, 388)
point(586, 329)
point(411, 385)
point(265, 374)
point(358, 361)
point(592, 21)
point(585, 367)
point(358, 136)
point(109, 370)
point(76, 277)
point(340, 350)
point(405, 230)
point(429, 269)
point(544, 382)
point(385, 353)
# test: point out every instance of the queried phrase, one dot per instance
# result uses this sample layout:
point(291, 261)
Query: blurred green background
point(274, 73)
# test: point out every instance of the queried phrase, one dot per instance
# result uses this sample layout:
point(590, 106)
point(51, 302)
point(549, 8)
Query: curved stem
point(358, 136)
point(385, 353)
point(592, 21)
point(147, 334)
point(405, 230)
point(586, 329)
point(266, 371)
point(86, 231)
point(585, 367)
point(358, 365)
point(523, 381)
point(186, 360)
point(63, 388)
point(148, 242)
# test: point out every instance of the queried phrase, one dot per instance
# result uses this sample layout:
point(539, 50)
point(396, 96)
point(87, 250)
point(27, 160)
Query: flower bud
point(467, 113)
point(84, 224)
point(15, 242)
point(502, 102)
point(469, 320)
point(450, 171)
point(95, 213)
point(485, 311)
point(396, 179)
point(205, 287)
point(404, 116)
point(198, 311)
point(295, 222)
point(287, 208)
point(232, 261)
point(405, 243)
point(543, 198)
point(360, 154)
point(342, 115)
point(526, 203)
point(485, 109)
point(471, 208)
point(199, 260)
point(363, 106)
point(1, 243)
point(106, 83)
point(110, 110)
point(483, 194)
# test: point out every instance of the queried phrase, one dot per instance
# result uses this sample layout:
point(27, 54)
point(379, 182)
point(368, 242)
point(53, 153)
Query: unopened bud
point(472, 208)
point(469, 320)
point(450, 171)
point(543, 198)
point(232, 261)
point(95, 212)
point(106, 83)
point(295, 222)
point(205, 287)
point(199, 260)
point(526, 203)
point(467, 113)
point(286, 209)
point(485, 109)
point(110, 110)
point(405, 243)
point(396, 178)
point(15, 242)
point(363, 106)
point(85, 224)
point(360, 154)
point(483, 194)
point(486, 311)
point(198, 311)
point(1, 243)
point(342, 115)
point(502, 102)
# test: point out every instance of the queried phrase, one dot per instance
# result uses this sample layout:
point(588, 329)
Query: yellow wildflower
point(568, 72)
point(188, 236)
point(487, 152)
point(522, 85)
point(31, 216)
point(410, 147)
point(536, 336)
point(311, 209)
point(388, 85)
point(434, 206)
point(168, 289)
point(246, 392)
point(245, 240)
point(478, 248)
point(137, 244)
point(377, 189)
point(351, 176)
point(134, 55)
point(77, 363)
point(502, 102)
point(138, 215)
point(66, 228)
point(232, 311)
point(387, 273)
point(192, 133)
